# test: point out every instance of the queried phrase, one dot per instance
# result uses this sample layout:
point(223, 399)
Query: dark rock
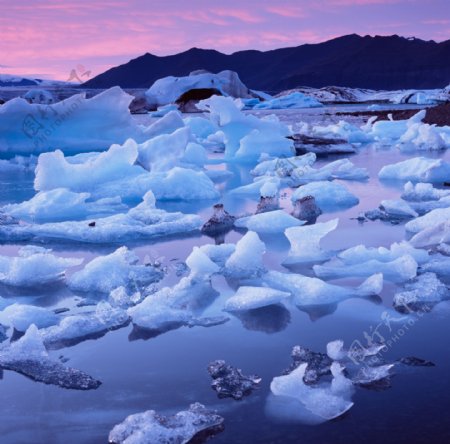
point(221, 221)
point(318, 364)
point(92, 224)
point(306, 209)
point(266, 204)
point(416, 362)
point(229, 381)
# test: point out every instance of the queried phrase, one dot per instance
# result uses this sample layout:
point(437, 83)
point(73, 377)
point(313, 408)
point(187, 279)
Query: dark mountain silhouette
point(391, 62)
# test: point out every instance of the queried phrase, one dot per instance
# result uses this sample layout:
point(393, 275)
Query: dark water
point(168, 372)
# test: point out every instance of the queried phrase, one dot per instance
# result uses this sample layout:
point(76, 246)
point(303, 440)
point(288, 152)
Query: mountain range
point(388, 62)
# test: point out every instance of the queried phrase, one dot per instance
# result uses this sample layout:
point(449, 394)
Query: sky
point(50, 39)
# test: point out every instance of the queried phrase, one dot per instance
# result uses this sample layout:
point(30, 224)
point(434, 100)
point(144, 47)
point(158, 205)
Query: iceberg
point(307, 291)
point(76, 328)
point(164, 151)
point(275, 221)
point(434, 234)
point(249, 298)
point(398, 270)
point(61, 204)
point(417, 169)
point(73, 125)
point(21, 316)
point(119, 269)
point(282, 166)
point(151, 427)
point(176, 89)
point(305, 242)
point(246, 137)
point(422, 192)
point(142, 222)
point(360, 253)
point(246, 261)
point(35, 266)
point(329, 196)
point(289, 101)
point(433, 218)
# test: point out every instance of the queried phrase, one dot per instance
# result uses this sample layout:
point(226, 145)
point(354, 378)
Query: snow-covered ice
point(249, 298)
point(268, 222)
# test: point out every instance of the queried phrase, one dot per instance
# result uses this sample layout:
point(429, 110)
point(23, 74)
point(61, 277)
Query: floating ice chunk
point(120, 297)
point(40, 96)
point(218, 253)
point(77, 328)
point(269, 189)
point(335, 350)
point(260, 141)
point(439, 265)
point(368, 376)
point(327, 402)
point(73, 125)
point(195, 154)
point(151, 427)
point(245, 136)
point(254, 189)
point(417, 169)
point(361, 253)
point(29, 357)
point(119, 269)
point(200, 264)
point(200, 127)
point(289, 101)
point(56, 171)
point(329, 196)
point(305, 242)
point(169, 123)
point(163, 110)
point(269, 222)
point(432, 235)
point(21, 316)
point(398, 270)
point(339, 169)
point(173, 89)
point(422, 192)
point(142, 222)
point(61, 204)
point(34, 267)
point(229, 381)
point(313, 291)
point(182, 184)
point(398, 208)
point(426, 289)
point(246, 261)
point(173, 307)
point(433, 218)
point(249, 298)
point(283, 167)
point(163, 152)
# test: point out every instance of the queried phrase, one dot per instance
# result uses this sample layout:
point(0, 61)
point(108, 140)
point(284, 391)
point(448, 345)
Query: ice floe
point(417, 169)
point(329, 196)
point(35, 266)
point(398, 270)
point(249, 298)
point(151, 427)
point(305, 242)
point(268, 222)
point(119, 269)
